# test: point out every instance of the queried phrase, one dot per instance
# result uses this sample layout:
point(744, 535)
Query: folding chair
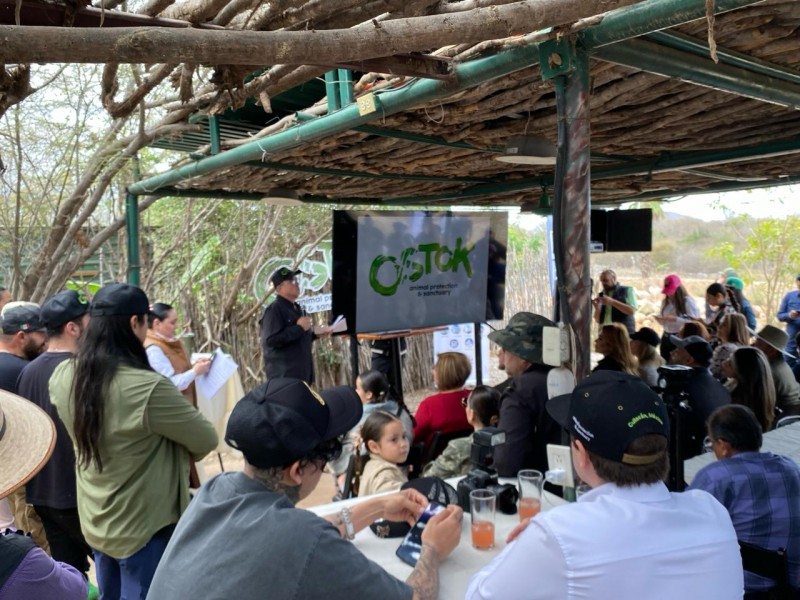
point(771, 564)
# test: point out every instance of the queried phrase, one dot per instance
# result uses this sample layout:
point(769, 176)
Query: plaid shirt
point(761, 491)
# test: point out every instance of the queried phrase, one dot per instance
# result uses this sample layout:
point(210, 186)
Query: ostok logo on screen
point(411, 268)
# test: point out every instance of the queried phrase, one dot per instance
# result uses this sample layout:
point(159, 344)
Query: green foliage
point(520, 240)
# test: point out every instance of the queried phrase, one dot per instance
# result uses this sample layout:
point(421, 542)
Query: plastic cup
point(530, 493)
point(482, 504)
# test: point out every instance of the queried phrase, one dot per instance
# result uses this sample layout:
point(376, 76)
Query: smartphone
point(411, 546)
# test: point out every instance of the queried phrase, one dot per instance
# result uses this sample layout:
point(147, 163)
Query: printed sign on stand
point(461, 338)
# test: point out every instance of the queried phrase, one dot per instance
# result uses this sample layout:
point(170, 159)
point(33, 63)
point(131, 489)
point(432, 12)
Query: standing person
point(758, 489)
point(751, 384)
point(287, 333)
point(443, 411)
point(616, 303)
point(772, 341)
point(52, 491)
point(736, 290)
point(264, 546)
point(26, 572)
point(166, 353)
point(134, 435)
point(615, 346)
point(676, 307)
point(644, 346)
point(22, 338)
point(629, 537)
point(789, 313)
point(717, 298)
point(382, 359)
point(523, 416)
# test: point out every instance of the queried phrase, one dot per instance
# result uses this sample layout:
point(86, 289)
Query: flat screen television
point(405, 270)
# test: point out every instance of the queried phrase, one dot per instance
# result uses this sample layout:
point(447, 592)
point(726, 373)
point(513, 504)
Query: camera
point(483, 476)
point(673, 380)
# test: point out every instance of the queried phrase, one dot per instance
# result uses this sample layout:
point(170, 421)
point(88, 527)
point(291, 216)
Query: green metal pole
point(332, 91)
point(345, 87)
point(625, 23)
point(213, 133)
point(132, 228)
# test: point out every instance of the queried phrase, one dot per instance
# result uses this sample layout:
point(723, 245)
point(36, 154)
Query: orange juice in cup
point(482, 504)
point(529, 508)
point(530, 493)
point(483, 535)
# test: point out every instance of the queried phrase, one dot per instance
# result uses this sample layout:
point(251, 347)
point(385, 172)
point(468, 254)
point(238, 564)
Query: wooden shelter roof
point(665, 118)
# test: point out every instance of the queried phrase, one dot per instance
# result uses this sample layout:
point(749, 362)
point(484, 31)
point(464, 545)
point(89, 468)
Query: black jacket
point(285, 344)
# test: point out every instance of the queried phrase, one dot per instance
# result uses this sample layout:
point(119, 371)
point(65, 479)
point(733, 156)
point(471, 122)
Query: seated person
point(644, 346)
point(242, 537)
point(614, 344)
point(761, 490)
point(25, 570)
point(772, 342)
point(385, 439)
point(629, 538)
point(443, 410)
point(483, 410)
point(372, 388)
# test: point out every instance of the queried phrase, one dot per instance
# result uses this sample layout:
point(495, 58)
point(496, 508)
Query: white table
point(784, 441)
point(459, 567)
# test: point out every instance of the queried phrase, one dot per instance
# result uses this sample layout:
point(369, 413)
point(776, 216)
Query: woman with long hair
point(615, 346)
point(644, 346)
point(166, 352)
point(732, 334)
point(718, 298)
point(750, 383)
point(676, 308)
point(134, 436)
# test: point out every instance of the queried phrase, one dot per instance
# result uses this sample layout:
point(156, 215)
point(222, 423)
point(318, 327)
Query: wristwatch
point(349, 530)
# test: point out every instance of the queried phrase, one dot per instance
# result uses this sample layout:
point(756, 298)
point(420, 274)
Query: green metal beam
point(345, 87)
point(655, 58)
point(680, 41)
point(616, 26)
point(646, 17)
point(665, 163)
point(431, 140)
point(361, 174)
point(132, 227)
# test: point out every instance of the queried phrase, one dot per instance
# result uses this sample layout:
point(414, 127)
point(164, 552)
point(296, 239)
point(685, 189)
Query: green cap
point(735, 282)
point(523, 336)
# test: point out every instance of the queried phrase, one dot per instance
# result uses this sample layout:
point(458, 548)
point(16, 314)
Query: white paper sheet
point(339, 325)
point(222, 367)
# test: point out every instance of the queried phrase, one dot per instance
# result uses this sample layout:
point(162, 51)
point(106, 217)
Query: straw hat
point(27, 439)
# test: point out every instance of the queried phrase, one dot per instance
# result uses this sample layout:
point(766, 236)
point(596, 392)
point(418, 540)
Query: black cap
point(21, 316)
point(646, 335)
point(119, 299)
point(607, 411)
point(282, 274)
point(283, 419)
point(697, 347)
point(63, 307)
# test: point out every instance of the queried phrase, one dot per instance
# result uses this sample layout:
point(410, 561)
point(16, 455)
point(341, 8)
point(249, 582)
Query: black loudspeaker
point(622, 230)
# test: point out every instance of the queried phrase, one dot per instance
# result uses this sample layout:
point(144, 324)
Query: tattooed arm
point(439, 538)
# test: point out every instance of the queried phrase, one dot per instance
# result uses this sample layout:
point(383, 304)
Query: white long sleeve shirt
point(621, 544)
point(160, 363)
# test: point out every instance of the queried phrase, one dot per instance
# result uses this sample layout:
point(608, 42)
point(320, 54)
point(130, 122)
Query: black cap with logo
point(63, 307)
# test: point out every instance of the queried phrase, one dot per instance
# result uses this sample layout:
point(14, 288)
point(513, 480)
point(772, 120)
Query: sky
point(761, 204)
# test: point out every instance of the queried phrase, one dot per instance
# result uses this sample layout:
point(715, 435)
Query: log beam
point(21, 44)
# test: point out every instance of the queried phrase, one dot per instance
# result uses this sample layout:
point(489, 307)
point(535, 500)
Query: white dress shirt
point(160, 363)
point(620, 544)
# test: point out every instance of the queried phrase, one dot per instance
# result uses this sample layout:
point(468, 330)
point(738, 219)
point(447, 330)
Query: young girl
point(483, 410)
point(385, 439)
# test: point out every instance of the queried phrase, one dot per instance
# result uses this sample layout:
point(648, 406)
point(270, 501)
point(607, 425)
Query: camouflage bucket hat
point(523, 336)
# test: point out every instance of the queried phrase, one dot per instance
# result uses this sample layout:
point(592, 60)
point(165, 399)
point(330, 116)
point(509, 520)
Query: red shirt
point(440, 412)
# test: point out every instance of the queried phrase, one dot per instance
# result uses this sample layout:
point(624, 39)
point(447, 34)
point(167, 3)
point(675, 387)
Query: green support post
point(132, 228)
point(332, 90)
point(213, 134)
point(345, 87)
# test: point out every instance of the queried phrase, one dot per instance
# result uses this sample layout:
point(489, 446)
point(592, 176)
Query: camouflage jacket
point(453, 462)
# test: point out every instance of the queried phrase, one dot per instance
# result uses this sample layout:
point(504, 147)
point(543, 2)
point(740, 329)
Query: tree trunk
point(166, 45)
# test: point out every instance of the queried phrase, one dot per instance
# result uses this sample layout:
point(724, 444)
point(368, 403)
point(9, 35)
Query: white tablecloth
point(459, 567)
point(784, 441)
